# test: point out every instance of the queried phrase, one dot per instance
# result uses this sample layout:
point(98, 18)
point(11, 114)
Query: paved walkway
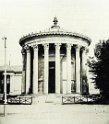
point(49, 113)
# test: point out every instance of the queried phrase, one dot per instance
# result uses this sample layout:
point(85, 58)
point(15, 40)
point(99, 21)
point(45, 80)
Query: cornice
point(61, 33)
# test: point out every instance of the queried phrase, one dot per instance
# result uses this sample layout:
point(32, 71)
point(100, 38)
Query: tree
point(100, 67)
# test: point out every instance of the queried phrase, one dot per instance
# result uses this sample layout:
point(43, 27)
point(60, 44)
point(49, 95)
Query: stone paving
point(51, 113)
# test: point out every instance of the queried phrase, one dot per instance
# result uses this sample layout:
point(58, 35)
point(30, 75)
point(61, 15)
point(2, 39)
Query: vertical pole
point(5, 83)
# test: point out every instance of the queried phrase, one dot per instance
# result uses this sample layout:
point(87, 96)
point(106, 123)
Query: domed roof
point(54, 30)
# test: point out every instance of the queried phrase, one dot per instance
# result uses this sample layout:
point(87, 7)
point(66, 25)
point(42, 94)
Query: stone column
point(35, 70)
point(57, 72)
point(23, 72)
point(78, 69)
point(68, 68)
point(46, 67)
point(28, 69)
point(86, 59)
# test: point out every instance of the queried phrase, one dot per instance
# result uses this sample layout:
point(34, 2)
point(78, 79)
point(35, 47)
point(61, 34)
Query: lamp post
point(5, 75)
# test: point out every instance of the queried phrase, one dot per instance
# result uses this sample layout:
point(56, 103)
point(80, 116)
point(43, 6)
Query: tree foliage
point(100, 67)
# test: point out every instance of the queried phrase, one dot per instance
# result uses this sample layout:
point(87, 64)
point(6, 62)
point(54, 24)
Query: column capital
point(57, 45)
point(23, 51)
point(78, 47)
point(27, 48)
point(35, 46)
point(87, 50)
point(46, 46)
point(83, 48)
point(69, 46)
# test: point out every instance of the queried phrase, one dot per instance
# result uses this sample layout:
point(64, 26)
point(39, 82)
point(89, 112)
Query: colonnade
point(57, 63)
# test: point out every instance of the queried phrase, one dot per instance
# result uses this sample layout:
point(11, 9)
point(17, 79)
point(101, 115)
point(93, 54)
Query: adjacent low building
point(14, 79)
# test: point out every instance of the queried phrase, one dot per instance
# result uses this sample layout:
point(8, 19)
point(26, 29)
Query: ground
point(50, 113)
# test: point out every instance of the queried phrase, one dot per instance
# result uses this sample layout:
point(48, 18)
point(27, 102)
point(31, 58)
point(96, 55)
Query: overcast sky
point(20, 17)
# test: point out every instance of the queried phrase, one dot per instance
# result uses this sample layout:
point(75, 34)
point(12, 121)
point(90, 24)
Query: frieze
point(57, 40)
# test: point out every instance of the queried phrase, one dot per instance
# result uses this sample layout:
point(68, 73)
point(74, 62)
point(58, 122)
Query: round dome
point(56, 31)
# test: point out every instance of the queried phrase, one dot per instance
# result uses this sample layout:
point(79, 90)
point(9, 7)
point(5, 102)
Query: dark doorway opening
point(51, 88)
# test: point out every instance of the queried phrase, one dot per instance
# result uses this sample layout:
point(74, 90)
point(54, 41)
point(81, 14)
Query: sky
point(21, 17)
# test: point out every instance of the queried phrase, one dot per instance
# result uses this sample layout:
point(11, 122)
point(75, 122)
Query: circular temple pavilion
point(54, 61)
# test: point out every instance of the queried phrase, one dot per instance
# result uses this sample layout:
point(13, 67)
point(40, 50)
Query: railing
point(76, 99)
point(25, 100)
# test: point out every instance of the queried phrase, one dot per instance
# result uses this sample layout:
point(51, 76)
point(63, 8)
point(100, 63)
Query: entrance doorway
point(51, 88)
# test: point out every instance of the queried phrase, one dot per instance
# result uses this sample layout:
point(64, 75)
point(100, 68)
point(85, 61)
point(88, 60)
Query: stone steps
point(51, 98)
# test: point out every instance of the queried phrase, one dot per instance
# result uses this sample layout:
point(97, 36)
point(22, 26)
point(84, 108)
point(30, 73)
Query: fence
point(25, 100)
point(76, 99)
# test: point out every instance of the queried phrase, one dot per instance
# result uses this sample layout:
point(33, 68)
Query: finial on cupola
point(55, 21)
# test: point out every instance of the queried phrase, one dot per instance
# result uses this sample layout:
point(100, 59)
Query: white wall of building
point(15, 84)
